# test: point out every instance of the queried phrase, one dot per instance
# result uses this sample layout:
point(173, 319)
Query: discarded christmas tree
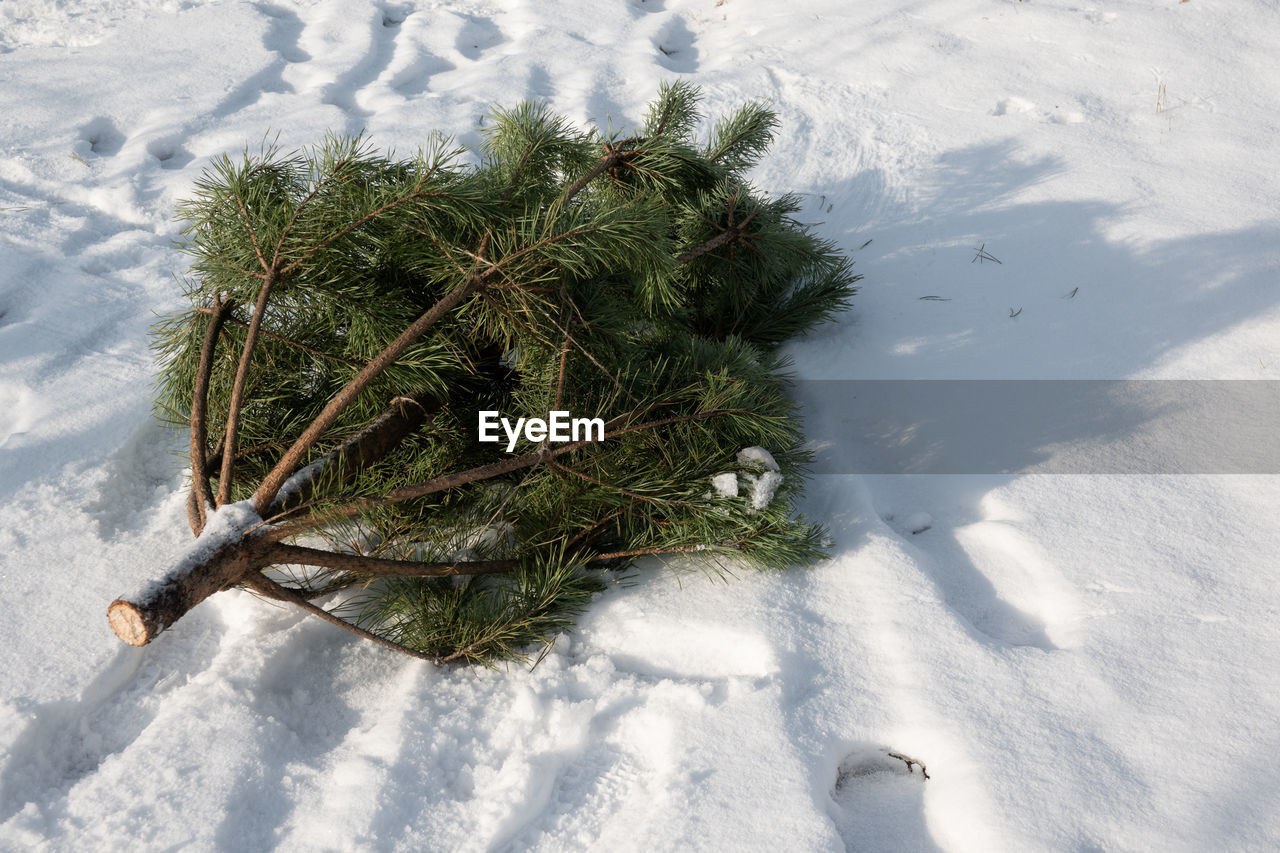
point(354, 317)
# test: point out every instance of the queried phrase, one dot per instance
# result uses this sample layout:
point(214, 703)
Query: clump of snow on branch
point(726, 484)
point(765, 484)
point(760, 486)
point(225, 525)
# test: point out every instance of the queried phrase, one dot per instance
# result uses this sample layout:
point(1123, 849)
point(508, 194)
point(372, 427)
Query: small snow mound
point(726, 484)
point(763, 488)
point(228, 521)
point(758, 456)
point(764, 485)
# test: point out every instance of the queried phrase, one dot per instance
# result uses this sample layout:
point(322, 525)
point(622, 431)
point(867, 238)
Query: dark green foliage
point(639, 278)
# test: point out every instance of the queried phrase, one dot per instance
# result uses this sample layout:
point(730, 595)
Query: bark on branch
point(281, 554)
point(269, 588)
point(237, 390)
point(272, 483)
point(200, 490)
point(614, 156)
point(164, 602)
point(241, 561)
point(403, 417)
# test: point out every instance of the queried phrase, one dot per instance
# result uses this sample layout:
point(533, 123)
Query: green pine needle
point(636, 277)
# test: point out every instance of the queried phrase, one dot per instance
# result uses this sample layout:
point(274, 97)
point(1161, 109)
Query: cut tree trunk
point(197, 577)
point(209, 569)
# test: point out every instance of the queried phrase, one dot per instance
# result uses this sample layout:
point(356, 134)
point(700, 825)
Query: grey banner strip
point(1054, 426)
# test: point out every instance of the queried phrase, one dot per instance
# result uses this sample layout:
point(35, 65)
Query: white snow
point(224, 525)
point(764, 484)
point(1083, 662)
point(918, 522)
point(726, 484)
point(761, 485)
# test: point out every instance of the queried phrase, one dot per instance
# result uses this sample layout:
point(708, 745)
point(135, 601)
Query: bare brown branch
point(730, 233)
point(403, 417)
point(269, 588)
point(163, 603)
point(460, 478)
point(714, 243)
point(237, 390)
point(281, 554)
point(288, 463)
point(200, 413)
point(614, 156)
point(194, 519)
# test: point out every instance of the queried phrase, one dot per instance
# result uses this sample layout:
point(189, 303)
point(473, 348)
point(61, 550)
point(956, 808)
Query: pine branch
point(564, 360)
point(658, 551)
point(287, 341)
point(461, 478)
point(237, 392)
point(613, 157)
point(401, 419)
point(266, 586)
point(636, 496)
point(565, 270)
point(617, 383)
point(253, 237)
point(586, 532)
point(288, 463)
point(355, 226)
point(282, 554)
point(310, 196)
point(200, 488)
point(729, 234)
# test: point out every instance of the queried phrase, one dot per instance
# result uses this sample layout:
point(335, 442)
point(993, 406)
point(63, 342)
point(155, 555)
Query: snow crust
point(1081, 662)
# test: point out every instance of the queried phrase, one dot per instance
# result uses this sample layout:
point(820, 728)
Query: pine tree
point(353, 314)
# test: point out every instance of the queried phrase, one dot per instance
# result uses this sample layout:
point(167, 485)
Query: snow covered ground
point(1083, 662)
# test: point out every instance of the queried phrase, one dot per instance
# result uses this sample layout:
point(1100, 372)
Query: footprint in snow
point(1017, 106)
point(994, 593)
point(136, 481)
point(169, 153)
point(48, 748)
point(284, 33)
point(394, 16)
point(675, 46)
point(477, 35)
point(878, 801)
point(915, 523)
point(1012, 106)
point(414, 60)
point(104, 138)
